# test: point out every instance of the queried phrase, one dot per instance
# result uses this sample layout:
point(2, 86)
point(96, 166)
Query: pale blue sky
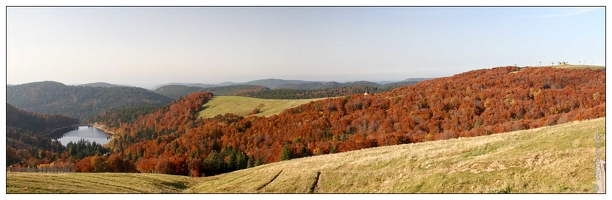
point(147, 46)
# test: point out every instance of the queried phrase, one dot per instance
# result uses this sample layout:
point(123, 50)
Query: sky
point(149, 46)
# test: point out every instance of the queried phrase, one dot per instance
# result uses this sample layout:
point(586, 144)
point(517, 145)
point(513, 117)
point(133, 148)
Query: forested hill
point(308, 90)
point(36, 123)
point(330, 90)
point(474, 103)
point(79, 101)
point(177, 91)
point(274, 83)
point(25, 130)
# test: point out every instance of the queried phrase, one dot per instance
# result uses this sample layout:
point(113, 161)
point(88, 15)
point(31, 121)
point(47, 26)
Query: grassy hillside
point(19, 183)
point(242, 106)
point(555, 159)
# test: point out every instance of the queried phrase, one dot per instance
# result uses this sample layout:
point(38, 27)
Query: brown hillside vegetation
point(554, 159)
point(474, 103)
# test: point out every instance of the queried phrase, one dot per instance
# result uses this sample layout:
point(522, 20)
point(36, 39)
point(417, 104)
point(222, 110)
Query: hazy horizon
point(156, 85)
point(150, 46)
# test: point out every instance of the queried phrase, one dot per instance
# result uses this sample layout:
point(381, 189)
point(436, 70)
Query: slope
point(79, 101)
point(25, 140)
point(474, 103)
point(244, 106)
point(554, 159)
point(94, 183)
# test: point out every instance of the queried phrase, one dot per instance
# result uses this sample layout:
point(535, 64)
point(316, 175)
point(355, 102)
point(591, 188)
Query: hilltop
point(200, 85)
point(554, 159)
point(102, 84)
point(81, 102)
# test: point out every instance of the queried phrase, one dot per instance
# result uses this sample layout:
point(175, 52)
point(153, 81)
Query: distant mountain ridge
point(416, 79)
point(79, 101)
point(284, 89)
point(176, 91)
point(270, 83)
point(102, 84)
point(274, 83)
point(201, 85)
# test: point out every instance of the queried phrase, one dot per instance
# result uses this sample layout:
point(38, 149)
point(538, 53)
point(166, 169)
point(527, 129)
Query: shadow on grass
point(178, 185)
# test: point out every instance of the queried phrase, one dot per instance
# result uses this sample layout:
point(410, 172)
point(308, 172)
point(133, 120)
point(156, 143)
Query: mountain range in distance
point(103, 84)
point(273, 83)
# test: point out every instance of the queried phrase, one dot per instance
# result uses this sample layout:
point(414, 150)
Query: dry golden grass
point(243, 106)
point(241, 181)
point(556, 159)
point(90, 183)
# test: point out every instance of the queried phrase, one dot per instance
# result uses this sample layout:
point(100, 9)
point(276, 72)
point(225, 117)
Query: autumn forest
point(171, 139)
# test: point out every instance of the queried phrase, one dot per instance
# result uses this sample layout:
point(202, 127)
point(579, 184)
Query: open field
point(90, 183)
point(242, 106)
point(555, 159)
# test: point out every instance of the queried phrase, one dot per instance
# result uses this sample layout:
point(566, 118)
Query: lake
point(85, 132)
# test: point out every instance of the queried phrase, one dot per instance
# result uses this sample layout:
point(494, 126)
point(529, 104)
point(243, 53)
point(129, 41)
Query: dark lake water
point(85, 132)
